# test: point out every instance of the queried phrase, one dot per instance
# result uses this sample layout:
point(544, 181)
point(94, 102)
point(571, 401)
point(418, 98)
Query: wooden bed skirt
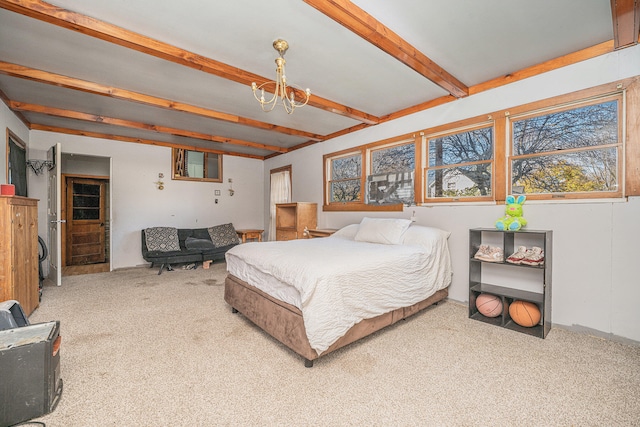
point(284, 321)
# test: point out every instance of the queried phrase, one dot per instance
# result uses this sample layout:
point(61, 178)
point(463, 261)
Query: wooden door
point(85, 227)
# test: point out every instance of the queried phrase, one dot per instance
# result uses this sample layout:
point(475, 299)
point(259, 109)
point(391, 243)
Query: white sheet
point(338, 282)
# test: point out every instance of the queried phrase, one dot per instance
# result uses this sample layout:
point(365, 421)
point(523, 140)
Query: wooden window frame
point(628, 145)
point(365, 152)
point(462, 126)
point(177, 164)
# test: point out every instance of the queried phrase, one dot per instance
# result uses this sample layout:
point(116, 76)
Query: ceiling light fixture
point(291, 96)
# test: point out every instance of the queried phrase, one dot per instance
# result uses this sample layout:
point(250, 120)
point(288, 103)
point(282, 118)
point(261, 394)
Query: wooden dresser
point(293, 218)
point(19, 251)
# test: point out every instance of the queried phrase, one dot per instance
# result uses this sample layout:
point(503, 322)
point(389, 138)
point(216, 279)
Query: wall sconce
point(159, 182)
point(231, 192)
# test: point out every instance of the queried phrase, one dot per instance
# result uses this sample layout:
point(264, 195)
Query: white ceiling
point(474, 41)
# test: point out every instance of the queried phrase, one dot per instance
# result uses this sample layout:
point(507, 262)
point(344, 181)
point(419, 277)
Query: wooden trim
point(626, 22)
point(361, 23)
point(58, 112)
point(111, 33)
point(500, 150)
point(40, 76)
point(68, 131)
point(418, 178)
point(632, 146)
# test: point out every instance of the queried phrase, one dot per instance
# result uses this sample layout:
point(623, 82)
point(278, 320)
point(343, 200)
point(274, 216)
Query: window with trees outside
point(392, 169)
point(345, 178)
point(376, 176)
point(580, 145)
point(459, 164)
point(573, 151)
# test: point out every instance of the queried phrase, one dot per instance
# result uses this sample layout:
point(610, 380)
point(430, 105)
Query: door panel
point(85, 231)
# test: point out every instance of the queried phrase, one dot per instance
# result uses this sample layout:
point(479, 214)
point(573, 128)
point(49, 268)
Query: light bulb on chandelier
point(291, 96)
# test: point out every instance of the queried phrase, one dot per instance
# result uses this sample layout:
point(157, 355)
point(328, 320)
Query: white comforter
point(339, 281)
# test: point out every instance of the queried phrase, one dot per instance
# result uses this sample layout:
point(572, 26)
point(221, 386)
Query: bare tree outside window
point(392, 173)
point(459, 165)
point(345, 179)
point(568, 151)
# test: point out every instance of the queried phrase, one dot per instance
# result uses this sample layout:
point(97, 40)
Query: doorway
point(86, 231)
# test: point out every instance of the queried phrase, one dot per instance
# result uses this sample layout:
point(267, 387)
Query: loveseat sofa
point(169, 245)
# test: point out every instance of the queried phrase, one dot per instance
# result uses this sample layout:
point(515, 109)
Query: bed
point(318, 295)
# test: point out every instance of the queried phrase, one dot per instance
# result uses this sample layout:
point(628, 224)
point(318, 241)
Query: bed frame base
point(284, 321)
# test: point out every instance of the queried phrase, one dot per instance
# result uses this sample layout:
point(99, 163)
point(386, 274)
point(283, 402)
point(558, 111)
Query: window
point(459, 164)
point(17, 163)
point(576, 146)
point(391, 177)
point(376, 176)
point(345, 178)
point(571, 151)
point(196, 165)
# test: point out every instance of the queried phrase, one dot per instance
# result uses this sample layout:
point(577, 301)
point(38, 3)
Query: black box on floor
point(30, 369)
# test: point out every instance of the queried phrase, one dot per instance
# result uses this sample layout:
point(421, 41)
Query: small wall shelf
point(537, 289)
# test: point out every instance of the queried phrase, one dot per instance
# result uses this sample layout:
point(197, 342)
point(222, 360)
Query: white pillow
point(427, 237)
point(347, 232)
point(387, 231)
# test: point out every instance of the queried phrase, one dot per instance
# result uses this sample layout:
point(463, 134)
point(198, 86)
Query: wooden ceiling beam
point(22, 72)
point(626, 22)
point(108, 32)
point(366, 26)
point(69, 114)
point(120, 138)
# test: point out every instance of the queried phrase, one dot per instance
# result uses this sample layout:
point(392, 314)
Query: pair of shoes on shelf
point(533, 256)
point(489, 253)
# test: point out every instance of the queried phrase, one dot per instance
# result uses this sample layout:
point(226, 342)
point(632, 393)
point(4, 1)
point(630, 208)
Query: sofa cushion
point(162, 239)
point(194, 243)
point(223, 235)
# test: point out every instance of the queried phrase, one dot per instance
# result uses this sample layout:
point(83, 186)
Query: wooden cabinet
point(19, 251)
point(511, 282)
point(293, 218)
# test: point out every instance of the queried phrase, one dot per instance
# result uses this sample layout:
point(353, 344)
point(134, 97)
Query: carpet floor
point(140, 349)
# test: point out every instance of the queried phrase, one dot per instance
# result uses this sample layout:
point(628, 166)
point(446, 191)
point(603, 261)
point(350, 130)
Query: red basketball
point(524, 313)
point(489, 305)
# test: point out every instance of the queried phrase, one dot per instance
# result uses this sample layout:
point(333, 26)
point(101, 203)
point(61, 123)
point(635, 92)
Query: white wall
point(595, 262)
point(137, 203)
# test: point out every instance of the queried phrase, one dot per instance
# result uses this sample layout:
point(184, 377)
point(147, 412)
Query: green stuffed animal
point(513, 220)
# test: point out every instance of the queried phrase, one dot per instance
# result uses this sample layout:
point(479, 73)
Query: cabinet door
point(24, 271)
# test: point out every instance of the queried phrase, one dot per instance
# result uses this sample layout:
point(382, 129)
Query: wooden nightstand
point(325, 232)
point(250, 234)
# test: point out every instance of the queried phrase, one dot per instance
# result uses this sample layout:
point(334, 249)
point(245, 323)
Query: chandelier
point(291, 96)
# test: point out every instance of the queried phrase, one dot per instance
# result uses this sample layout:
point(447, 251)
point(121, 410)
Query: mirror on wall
point(195, 165)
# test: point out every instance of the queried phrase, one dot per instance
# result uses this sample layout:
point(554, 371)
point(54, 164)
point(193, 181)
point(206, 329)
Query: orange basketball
point(524, 313)
point(489, 305)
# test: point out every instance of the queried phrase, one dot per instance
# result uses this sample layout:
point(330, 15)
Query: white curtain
point(280, 193)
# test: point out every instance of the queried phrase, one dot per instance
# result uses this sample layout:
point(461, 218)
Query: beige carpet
point(140, 349)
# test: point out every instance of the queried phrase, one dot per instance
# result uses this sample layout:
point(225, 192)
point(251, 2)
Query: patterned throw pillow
point(162, 239)
point(223, 235)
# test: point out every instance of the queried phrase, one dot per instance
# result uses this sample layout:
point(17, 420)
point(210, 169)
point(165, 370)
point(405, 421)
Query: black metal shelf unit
point(539, 295)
